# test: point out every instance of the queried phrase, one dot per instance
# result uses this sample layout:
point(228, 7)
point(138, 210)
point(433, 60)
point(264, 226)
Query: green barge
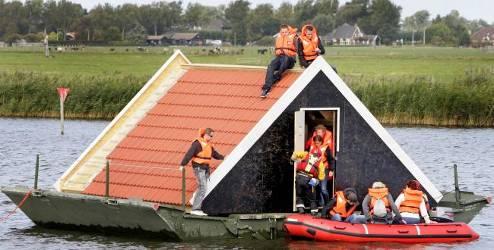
point(128, 179)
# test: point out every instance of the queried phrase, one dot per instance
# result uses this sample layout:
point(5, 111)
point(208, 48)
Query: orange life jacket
point(411, 203)
point(340, 206)
point(327, 141)
point(310, 45)
point(204, 157)
point(285, 43)
point(310, 167)
point(378, 193)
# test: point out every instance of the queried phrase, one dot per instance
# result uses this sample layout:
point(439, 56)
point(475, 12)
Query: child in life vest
point(307, 173)
point(411, 204)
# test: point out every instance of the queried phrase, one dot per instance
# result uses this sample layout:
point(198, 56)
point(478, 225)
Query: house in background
point(483, 37)
point(180, 38)
point(156, 40)
point(350, 35)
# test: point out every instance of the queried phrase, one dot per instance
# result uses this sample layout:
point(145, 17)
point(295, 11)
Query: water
point(433, 149)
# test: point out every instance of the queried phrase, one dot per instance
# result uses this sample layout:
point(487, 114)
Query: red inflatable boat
point(309, 227)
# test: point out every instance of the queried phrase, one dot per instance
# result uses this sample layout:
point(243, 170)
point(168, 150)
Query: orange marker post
point(63, 93)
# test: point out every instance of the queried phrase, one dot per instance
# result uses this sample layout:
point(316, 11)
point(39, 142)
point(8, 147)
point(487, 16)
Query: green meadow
point(400, 85)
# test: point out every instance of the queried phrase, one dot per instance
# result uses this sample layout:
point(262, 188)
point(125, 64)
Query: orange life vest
point(285, 43)
point(204, 157)
point(411, 203)
point(310, 45)
point(378, 193)
point(308, 167)
point(340, 206)
point(327, 141)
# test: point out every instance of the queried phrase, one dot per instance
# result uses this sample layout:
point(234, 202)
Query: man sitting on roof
point(378, 205)
point(201, 152)
point(309, 46)
point(286, 52)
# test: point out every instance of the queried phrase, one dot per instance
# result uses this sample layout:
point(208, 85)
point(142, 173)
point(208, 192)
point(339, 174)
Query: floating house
point(129, 177)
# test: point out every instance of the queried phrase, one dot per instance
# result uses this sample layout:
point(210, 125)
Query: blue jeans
point(411, 220)
point(202, 176)
point(280, 64)
point(359, 219)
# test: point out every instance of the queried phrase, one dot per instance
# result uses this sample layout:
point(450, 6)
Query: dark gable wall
point(262, 180)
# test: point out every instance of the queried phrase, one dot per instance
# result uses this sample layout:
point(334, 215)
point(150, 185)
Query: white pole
point(61, 116)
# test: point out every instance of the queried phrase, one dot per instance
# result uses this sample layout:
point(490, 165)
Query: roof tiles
point(145, 164)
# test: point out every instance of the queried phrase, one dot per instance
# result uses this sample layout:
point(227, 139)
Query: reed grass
point(400, 86)
point(468, 101)
point(28, 94)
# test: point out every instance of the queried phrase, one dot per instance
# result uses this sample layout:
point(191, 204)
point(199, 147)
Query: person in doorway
point(342, 206)
point(378, 205)
point(306, 178)
point(285, 52)
point(411, 204)
point(325, 168)
point(201, 152)
point(309, 46)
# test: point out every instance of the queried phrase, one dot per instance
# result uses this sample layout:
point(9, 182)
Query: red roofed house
point(483, 37)
point(146, 141)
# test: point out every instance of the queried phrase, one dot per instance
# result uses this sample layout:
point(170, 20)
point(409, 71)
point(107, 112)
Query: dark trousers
point(305, 192)
point(276, 68)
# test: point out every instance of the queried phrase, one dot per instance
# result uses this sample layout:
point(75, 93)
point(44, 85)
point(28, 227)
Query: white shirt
point(423, 209)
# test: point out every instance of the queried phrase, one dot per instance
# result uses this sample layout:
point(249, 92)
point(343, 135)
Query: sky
point(470, 9)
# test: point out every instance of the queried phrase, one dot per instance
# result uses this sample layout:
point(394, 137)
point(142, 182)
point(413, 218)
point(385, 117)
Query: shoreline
point(385, 121)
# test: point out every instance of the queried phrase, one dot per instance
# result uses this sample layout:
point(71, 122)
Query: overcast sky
point(470, 9)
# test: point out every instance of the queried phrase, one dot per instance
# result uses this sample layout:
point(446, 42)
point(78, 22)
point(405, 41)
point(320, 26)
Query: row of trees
point(131, 22)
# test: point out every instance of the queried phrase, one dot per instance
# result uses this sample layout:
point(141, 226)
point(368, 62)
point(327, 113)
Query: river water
point(435, 150)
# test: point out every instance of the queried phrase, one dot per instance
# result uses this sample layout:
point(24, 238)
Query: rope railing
point(107, 177)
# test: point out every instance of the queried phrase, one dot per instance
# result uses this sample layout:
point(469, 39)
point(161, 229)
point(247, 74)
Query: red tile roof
point(145, 164)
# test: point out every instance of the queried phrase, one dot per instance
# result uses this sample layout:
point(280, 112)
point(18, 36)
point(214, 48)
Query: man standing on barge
point(201, 152)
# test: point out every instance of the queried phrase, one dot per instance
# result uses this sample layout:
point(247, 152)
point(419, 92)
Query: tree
point(383, 19)
point(323, 23)
point(236, 13)
point(304, 11)
point(262, 22)
point(194, 15)
point(137, 34)
point(285, 14)
point(410, 25)
point(126, 17)
point(458, 25)
point(441, 35)
point(34, 11)
point(351, 12)
point(326, 7)
point(149, 17)
point(422, 21)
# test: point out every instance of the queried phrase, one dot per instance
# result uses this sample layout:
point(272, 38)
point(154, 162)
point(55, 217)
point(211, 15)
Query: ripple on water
point(435, 150)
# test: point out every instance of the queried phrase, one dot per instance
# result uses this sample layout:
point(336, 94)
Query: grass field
point(443, 64)
point(382, 77)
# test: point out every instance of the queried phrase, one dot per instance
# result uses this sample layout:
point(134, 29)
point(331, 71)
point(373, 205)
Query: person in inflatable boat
point(342, 207)
point(378, 206)
point(412, 204)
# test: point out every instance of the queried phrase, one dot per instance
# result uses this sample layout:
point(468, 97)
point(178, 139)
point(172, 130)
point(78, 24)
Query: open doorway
point(306, 121)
